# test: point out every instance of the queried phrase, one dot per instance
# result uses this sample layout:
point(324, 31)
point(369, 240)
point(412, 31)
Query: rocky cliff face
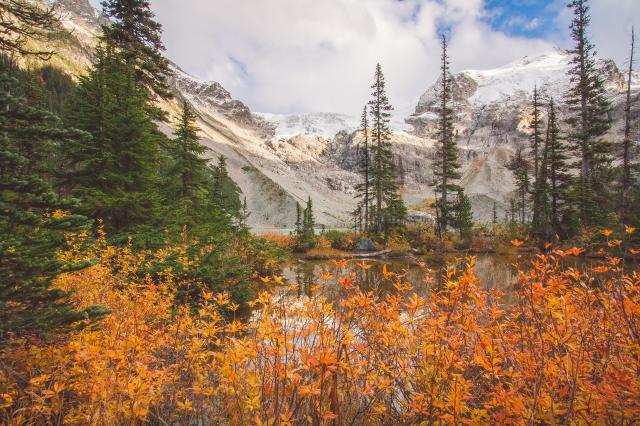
point(279, 160)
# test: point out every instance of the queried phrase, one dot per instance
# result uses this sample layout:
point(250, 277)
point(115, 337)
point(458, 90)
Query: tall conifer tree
point(589, 121)
point(383, 177)
point(559, 176)
point(364, 188)
point(446, 166)
point(536, 148)
point(627, 170)
point(115, 173)
point(137, 35)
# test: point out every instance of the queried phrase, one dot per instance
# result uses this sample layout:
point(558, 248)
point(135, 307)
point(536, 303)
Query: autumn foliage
point(562, 348)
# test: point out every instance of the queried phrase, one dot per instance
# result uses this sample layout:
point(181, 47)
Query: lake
point(493, 271)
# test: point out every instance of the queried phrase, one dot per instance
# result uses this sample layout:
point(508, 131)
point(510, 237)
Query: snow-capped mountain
point(278, 160)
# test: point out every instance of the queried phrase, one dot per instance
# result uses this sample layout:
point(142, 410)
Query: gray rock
point(365, 244)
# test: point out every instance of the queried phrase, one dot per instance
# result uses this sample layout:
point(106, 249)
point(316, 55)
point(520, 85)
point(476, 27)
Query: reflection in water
point(493, 272)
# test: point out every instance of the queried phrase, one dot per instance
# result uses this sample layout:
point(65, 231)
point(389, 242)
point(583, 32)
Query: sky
point(291, 56)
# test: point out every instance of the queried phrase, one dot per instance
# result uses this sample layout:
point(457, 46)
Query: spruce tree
point(536, 145)
point(187, 152)
point(446, 166)
point(589, 121)
point(627, 169)
point(134, 31)
point(115, 172)
point(22, 21)
point(383, 168)
point(463, 217)
point(520, 168)
point(495, 213)
point(559, 174)
point(226, 192)
point(299, 219)
point(33, 218)
point(364, 188)
point(308, 237)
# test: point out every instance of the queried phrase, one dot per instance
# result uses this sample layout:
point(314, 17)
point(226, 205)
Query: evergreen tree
point(520, 168)
point(559, 177)
point(495, 213)
point(383, 168)
point(536, 145)
point(226, 192)
point(589, 121)
point(463, 218)
point(187, 151)
point(627, 169)
point(32, 217)
point(364, 188)
point(308, 237)
point(299, 219)
point(22, 21)
point(446, 166)
point(134, 31)
point(115, 172)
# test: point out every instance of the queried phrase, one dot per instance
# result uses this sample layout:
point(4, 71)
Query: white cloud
point(610, 31)
point(310, 55)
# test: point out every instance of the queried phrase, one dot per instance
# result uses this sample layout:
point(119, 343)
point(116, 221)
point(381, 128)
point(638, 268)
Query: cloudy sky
point(287, 56)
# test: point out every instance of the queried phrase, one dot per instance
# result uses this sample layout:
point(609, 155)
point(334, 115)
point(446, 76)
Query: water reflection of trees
point(492, 272)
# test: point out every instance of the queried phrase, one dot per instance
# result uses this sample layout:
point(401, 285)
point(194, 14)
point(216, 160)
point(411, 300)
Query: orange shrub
point(565, 350)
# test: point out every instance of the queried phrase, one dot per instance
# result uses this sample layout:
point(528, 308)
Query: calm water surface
point(493, 271)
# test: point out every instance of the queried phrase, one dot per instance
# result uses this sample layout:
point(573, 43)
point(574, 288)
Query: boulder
point(365, 244)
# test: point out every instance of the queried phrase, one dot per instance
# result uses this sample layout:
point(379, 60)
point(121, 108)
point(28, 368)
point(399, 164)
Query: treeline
point(87, 157)
point(380, 211)
point(572, 177)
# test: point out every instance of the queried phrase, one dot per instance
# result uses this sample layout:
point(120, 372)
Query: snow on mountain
point(323, 124)
point(281, 159)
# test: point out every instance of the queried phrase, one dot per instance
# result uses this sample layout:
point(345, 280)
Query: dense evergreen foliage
point(33, 218)
point(137, 36)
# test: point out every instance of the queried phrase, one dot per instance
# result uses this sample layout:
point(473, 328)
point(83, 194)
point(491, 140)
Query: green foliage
point(362, 212)
point(463, 215)
point(589, 121)
point(520, 166)
point(446, 168)
point(115, 171)
point(32, 223)
point(135, 33)
point(388, 212)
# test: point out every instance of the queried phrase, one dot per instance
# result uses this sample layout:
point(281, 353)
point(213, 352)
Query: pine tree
point(308, 226)
point(495, 213)
point(536, 145)
point(446, 166)
point(383, 168)
point(137, 35)
point(364, 188)
point(298, 225)
point(225, 190)
point(463, 217)
point(520, 168)
point(23, 21)
point(115, 172)
point(33, 221)
point(589, 121)
point(559, 177)
point(627, 170)
point(187, 153)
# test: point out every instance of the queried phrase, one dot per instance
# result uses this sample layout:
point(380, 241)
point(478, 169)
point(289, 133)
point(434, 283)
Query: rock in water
point(365, 244)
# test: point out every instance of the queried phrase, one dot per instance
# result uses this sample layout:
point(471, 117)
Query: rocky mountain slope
point(279, 160)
